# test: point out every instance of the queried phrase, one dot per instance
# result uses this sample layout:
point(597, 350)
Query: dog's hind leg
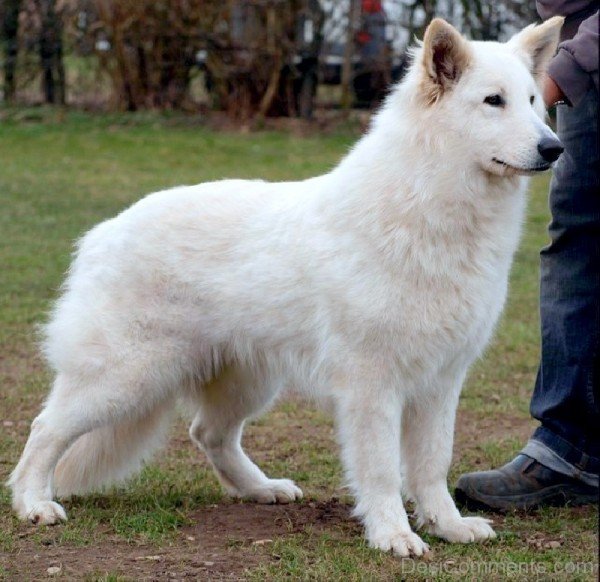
point(72, 410)
point(225, 404)
point(428, 429)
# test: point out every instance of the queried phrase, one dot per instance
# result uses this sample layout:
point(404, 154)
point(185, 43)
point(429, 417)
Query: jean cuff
point(557, 454)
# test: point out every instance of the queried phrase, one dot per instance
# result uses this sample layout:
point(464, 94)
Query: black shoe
point(521, 484)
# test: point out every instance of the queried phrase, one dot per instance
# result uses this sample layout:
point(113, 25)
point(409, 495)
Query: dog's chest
point(455, 309)
point(442, 300)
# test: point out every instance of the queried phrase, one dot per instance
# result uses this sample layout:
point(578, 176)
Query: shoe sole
point(555, 496)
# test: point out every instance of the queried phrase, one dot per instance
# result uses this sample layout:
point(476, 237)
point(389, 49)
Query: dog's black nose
point(550, 148)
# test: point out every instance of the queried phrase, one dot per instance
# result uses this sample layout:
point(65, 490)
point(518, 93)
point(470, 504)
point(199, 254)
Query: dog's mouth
point(531, 170)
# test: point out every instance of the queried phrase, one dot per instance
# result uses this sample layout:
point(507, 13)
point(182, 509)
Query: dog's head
point(487, 95)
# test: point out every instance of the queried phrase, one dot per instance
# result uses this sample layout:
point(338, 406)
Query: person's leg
point(561, 462)
point(566, 399)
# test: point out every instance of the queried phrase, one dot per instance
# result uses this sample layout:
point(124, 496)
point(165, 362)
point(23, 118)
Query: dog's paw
point(275, 491)
point(46, 513)
point(402, 543)
point(464, 530)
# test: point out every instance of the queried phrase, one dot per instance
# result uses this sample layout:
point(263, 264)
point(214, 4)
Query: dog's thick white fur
point(375, 285)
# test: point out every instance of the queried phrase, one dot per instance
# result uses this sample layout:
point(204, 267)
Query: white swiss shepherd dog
point(375, 286)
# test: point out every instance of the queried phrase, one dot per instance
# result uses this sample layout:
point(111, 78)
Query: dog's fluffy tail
point(109, 455)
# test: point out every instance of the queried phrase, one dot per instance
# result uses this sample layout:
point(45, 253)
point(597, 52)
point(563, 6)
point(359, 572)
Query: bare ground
point(226, 540)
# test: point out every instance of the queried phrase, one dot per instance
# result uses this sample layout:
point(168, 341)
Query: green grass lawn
point(59, 175)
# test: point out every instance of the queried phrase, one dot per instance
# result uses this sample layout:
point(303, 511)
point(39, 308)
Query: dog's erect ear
point(446, 54)
point(536, 45)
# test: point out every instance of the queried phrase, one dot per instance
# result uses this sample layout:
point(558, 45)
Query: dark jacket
point(575, 66)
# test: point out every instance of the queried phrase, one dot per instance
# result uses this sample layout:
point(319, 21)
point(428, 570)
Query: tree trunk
point(51, 53)
point(10, 30)
point(347, 65)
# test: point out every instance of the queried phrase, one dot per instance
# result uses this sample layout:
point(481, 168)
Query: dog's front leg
point(427, 438)
point(368, 419)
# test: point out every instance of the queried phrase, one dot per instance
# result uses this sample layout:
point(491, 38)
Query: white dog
point(375, 285)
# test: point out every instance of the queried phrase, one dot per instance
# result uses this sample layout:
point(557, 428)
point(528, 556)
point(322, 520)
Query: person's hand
point(552, 92)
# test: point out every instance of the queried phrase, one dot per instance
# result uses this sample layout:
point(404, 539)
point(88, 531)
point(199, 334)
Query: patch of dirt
point(472, 429)
point(226, 540)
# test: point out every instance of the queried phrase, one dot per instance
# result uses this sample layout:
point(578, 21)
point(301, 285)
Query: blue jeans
point(566, 399)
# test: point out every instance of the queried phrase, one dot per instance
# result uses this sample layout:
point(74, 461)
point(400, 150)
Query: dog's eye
point(494, 100)
point(532, 99)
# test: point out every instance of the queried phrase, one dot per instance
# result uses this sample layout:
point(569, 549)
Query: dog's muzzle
point(550, 148)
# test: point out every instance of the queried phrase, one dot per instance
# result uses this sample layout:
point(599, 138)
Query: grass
point(62, 173)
